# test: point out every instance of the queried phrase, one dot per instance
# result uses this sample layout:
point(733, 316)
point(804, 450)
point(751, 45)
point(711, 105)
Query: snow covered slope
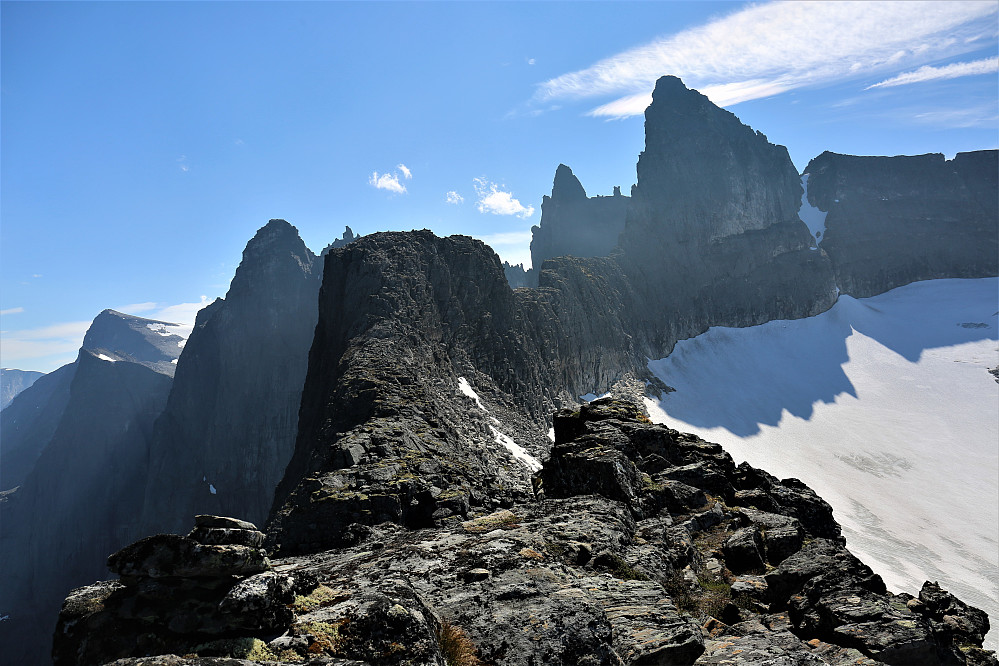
point(885, 407)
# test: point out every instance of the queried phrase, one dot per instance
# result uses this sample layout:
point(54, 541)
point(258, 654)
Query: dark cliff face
point(712, 235)
point(895, 220)
point(408, 325)
point(80, 497)
point(29, 422)
point(704, 175)
point(574, 224)
point(228, 430)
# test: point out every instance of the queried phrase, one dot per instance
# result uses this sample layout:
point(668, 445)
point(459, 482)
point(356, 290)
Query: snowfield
point(885, 407)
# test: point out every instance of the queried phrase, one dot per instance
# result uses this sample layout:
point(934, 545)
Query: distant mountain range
point(386, 413)
point(13, 381)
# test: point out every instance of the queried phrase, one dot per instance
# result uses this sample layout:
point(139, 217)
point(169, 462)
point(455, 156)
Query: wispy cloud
point(136, 308)
point(984, 115)
point(952, 71)
point(387, 181)
point(10, 311)
point(453, 197)
point(492, 199)
point(405, 171)
point(767, 49)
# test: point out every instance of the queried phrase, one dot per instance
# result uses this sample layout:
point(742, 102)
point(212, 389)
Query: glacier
point(885, 406)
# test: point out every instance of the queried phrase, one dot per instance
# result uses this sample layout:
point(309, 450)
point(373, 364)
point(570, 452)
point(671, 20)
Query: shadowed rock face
point(712, 235)
point(228, 429)
point(385, 431)
point(28, 423)
point(574, 224)
point(79, 499)
point(895, 220)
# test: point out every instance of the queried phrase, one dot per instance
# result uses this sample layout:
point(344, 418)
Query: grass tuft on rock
point(456, 647)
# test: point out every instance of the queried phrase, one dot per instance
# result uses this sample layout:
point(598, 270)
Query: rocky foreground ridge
point(641, 545)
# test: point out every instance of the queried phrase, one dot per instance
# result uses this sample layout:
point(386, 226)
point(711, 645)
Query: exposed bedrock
point(410, 326)
point(615, 562)
point(895, 220)
point(78, 500)
point(574, 224)
point(228, 430)
point(712, 235)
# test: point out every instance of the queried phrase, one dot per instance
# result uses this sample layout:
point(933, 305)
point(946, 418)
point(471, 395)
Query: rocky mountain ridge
point(886, 216)
point(679, 557)
point(76, 499)
point(427, 394)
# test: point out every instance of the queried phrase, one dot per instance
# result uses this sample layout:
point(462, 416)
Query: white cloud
point(775, 47)
point(387, 181)
point(511, 246)
point(498, 202)
point(530, 61)
point(45, 348)
point(10, 311)
point(181, 313)
point(453, 197)
point(930, 73)
point(405, 171)
point(136, 308)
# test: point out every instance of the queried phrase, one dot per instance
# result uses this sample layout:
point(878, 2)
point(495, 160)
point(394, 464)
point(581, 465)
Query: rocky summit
point(641, 545)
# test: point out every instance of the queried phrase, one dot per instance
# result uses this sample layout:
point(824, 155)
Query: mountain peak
point(150, 342)
point(566, 186)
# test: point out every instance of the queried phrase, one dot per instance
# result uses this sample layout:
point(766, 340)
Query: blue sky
point(144, 143)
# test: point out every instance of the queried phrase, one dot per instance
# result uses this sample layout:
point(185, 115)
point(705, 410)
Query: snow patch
point(518, 451)
point(885, 407)
point(169, 330)
point(551, 434)
point(174, 361)
point(813, 218)
point(466, 388)
point(590, 397)
point(104, 357)
point(211, 489)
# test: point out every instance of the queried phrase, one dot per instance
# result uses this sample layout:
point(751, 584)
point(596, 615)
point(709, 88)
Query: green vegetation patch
point(249, 648)
point(320, 597)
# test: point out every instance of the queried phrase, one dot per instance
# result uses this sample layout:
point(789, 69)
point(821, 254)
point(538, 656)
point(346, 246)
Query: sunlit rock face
point(228, 430)
point(896, 220)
